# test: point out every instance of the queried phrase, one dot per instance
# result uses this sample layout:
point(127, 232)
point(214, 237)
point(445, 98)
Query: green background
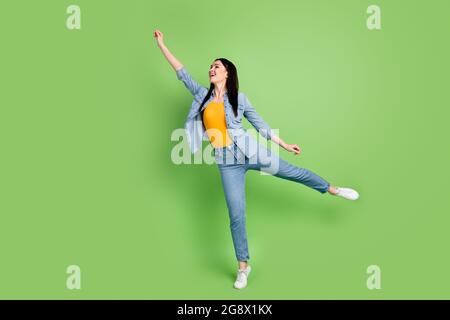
point(86, 176)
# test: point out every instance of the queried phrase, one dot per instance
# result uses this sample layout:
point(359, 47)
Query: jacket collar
point(226, 100)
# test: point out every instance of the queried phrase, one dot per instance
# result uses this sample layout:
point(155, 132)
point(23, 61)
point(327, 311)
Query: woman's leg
point(233, 182)
point(268, 162)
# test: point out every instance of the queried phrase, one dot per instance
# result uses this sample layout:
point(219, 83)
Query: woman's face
point(217, 72)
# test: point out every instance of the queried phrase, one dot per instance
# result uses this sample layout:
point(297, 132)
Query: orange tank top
point(215, 124)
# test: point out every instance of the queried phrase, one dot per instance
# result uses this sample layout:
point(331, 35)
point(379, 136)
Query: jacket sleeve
point(189, 82)
point(255, 119)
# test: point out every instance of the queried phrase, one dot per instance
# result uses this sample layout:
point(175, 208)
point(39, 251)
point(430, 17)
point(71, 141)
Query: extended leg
point(270, 163)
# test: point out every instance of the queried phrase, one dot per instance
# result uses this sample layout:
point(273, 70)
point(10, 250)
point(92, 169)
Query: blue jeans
point(233, 165)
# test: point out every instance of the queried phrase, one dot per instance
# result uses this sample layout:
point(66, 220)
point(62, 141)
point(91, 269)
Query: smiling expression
point(217, 72)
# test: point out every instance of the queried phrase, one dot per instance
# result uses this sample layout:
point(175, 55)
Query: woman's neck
point(219, 90)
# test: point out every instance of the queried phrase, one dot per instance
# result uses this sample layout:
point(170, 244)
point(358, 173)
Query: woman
point(216, 115)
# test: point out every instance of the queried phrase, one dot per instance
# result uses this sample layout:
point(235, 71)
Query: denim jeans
point(233, 164)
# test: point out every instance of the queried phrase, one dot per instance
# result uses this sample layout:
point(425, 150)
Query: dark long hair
point(232, 86)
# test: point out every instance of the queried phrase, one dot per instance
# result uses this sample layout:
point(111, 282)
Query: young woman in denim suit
point(223, 107)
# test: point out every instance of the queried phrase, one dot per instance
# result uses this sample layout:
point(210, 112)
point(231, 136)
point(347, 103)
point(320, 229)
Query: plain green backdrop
point(86, 177)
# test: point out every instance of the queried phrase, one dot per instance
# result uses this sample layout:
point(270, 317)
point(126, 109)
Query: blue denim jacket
point(195, 130)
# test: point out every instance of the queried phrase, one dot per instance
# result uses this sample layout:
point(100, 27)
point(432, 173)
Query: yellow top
point(215, 124)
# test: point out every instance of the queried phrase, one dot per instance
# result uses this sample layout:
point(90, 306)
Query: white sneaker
point(241, 280)
point(347, 193)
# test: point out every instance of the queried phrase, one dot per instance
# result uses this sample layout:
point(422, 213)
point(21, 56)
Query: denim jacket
point(195, 130)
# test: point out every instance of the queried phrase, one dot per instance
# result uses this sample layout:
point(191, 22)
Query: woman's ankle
point(332, 190)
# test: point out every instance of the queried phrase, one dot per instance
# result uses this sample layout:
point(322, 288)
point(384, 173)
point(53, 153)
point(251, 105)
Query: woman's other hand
point(293, 148)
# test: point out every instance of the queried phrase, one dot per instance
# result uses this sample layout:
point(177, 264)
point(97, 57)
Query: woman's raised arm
point(177, 65)
point(182, 74)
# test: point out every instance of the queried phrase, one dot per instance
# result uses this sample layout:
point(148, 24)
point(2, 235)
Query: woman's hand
point(293, 148)
point(288, 147)
point(158, 35)
point(176, 65)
